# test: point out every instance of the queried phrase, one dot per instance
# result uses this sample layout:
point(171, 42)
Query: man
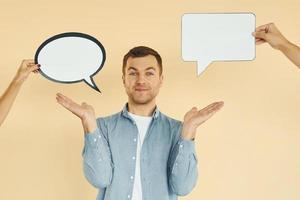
point(10, 94)
point(140, 153)
point(270, 34)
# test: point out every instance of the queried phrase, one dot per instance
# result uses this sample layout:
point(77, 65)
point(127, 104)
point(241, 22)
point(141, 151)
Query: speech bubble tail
point(91, 83)
point(202, 65)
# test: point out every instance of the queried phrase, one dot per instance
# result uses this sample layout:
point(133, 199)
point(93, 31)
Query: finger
point(259, 34)
point(63, 102)
point(216, 106)
point(259, 39)
point(29, 62)
point(69, 102)
point(259, 42)
point(34, 67)
point(205, 111)
point(194, 109)
point(64, 98)
point(208, 107)
point(61, 95)
point(262, 27)
point(204, 119)
point(209, 113)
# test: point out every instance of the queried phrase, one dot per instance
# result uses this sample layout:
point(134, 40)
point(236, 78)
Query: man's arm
point(182, 164)
point(270, 34)
point(97, 161)
point(10, 94)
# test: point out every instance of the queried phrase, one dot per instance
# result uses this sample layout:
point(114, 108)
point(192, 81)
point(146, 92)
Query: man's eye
point(149, 73)
point(132, 73)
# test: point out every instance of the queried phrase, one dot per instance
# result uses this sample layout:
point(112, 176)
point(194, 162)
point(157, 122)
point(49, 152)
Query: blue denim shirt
point(168, 162)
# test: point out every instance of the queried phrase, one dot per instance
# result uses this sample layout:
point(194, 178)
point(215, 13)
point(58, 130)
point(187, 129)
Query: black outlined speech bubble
point(70, 58)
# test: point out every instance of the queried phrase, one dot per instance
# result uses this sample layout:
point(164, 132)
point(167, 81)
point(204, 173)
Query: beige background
point(249, 150)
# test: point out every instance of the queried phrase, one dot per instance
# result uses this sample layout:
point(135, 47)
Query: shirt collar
point(125, 112)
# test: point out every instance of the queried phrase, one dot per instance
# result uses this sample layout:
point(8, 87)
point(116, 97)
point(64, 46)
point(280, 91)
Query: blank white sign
point(217, 37)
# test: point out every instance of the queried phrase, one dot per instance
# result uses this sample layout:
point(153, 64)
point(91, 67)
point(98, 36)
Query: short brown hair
point(142, 51)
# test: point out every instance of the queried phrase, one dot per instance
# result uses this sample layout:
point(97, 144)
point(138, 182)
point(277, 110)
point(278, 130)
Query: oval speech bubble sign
point(70, 58)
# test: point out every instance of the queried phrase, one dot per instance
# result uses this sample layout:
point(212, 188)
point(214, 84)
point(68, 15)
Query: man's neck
point(141, 109)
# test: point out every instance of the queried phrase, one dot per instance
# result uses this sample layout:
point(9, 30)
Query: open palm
point(83, 111)
point(193, 118)
point(198, 117)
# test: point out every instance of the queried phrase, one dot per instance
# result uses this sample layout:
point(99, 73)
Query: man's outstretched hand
point(84, 111)
point(194, 117)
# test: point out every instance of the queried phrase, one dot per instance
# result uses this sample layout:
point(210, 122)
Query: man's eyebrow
point(150, 68)
point(129, 68)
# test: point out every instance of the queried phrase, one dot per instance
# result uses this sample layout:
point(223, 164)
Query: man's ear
point(161, 78)
point(123, 79)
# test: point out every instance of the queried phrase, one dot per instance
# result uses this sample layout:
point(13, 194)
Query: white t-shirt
point(142, 124)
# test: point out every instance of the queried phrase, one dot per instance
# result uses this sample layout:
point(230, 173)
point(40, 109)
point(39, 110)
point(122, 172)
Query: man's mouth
point(141, 89)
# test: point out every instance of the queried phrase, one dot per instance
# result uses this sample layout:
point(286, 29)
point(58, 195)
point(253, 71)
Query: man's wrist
point(188, 132)
point(89, 126)
point(187, 137)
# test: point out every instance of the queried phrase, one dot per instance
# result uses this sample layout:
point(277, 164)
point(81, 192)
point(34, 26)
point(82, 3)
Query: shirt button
point(131, 177)
point(99, 136)
point(181, 146)
point(134, 139)
point(128, 196)
point(95, 140)
point(176, 164)
point(133, 158)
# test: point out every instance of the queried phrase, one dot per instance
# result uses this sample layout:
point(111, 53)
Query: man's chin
point(142, 101)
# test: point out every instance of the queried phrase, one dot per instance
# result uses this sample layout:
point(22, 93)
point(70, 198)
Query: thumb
point(34, 67)
point(194, 109)
point(259, 34)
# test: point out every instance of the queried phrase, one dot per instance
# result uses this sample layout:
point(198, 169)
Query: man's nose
point(140, 78)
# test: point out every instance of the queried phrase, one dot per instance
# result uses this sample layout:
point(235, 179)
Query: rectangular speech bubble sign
point(210, 37)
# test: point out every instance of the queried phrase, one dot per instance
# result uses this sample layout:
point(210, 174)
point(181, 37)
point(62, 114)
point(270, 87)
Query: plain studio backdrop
point(248, 150)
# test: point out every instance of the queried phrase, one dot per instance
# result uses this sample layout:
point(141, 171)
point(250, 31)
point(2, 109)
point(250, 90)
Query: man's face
point(142, 79)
